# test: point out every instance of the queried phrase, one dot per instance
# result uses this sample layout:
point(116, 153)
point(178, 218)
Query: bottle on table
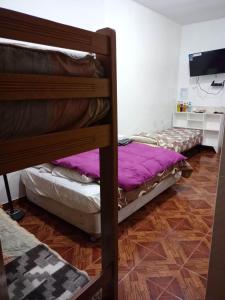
point(181, 107)
point(189, 106)
point(178, 106)
point(184, 107)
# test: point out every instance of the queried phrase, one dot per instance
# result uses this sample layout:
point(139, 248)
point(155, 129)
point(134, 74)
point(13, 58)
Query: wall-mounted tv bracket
point(217, 83)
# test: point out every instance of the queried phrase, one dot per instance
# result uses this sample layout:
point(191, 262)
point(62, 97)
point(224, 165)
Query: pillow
point(145, 139)
point(45, 168)
point(73, 53)
point(121, 136)
point(71, 174)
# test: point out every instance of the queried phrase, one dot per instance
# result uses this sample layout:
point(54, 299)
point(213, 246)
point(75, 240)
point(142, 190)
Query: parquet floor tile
point(168, 296)
point(130, 254)
point(178, 248)
point(198, 262)
point(136, 286)
point(187, 285)
point(163, 248)
point(195, 223)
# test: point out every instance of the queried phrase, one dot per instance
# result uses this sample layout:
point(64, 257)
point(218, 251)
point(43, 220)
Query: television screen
point(207, 63)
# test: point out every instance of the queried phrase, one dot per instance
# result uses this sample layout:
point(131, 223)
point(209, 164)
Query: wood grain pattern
point(29, 151)
point(109, 182)
point(22, 27)
point(30, 87)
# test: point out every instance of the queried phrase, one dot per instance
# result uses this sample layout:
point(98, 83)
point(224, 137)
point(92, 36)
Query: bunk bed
point(19, 152)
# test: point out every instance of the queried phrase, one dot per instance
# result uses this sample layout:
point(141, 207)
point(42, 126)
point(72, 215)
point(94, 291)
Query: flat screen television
point(207, 63)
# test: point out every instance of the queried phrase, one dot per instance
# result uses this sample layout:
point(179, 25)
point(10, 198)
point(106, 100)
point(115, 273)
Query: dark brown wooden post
point(109, 181)
point(216, 276)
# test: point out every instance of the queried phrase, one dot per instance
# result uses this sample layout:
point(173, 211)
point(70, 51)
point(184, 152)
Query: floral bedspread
point(177, 139)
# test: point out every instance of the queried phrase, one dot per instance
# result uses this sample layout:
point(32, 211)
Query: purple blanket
point(138, 163)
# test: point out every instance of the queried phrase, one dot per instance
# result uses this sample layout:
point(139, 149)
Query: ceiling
point(187, 11)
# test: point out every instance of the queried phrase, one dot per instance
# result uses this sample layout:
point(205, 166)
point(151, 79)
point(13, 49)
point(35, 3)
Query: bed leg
point(15, 214)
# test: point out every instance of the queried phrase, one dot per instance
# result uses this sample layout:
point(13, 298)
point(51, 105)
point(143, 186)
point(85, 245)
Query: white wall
point(147, 55)
point(199, 37)
point(86, 14)
point(15, 185)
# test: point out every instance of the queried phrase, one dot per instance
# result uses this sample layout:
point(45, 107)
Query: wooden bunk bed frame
point(20, 153)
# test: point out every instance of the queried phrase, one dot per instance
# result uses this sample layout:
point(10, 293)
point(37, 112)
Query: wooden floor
point(164, 247)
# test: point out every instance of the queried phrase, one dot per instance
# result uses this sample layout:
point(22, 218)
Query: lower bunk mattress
point(33, 270)
point(177, 139)
point(79, 203)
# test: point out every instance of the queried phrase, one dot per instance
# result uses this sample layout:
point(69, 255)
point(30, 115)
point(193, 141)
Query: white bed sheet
point(83, 197)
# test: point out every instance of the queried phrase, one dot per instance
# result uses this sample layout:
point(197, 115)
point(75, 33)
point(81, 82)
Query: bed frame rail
point(22, 27)
point(94, 286)
point(36, 87)
point(30, 151)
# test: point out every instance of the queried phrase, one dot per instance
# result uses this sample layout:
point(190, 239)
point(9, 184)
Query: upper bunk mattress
point(177, 139)
point(35, 117)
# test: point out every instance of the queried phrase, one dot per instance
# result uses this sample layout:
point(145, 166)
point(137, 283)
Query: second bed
point(177, 139)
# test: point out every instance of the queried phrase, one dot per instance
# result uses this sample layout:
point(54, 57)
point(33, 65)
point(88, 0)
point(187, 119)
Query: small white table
point(210, 123)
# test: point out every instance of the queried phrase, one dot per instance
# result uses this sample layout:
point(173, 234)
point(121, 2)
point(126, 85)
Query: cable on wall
point(207, 92)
